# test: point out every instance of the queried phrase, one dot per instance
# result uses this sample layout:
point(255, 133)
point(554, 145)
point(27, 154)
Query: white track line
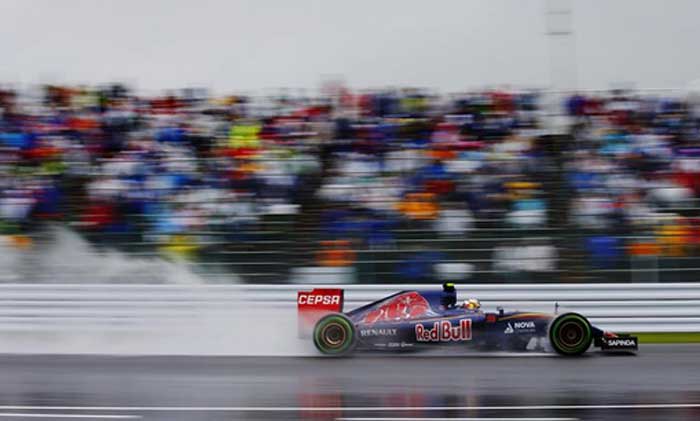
point(83, 416)
point(457, 419)
point(340, 408)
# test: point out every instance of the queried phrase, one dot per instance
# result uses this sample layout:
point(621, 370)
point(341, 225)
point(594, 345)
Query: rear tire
point(335, 335)
point(570, 334)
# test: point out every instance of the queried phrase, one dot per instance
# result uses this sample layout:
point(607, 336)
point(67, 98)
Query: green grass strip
point(667, 337)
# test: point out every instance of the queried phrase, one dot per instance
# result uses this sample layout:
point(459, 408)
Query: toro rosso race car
point(412, 320)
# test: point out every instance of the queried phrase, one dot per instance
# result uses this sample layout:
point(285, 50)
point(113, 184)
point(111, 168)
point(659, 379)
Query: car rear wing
point(312, 305)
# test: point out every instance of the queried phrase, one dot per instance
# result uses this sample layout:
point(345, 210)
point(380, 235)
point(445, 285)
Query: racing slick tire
point(335, 335)
point(570, 334)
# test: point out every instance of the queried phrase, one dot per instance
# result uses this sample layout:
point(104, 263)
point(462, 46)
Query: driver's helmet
point(471, 304)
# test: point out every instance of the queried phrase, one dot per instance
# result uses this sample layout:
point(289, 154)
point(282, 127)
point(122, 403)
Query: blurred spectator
point(398, 182)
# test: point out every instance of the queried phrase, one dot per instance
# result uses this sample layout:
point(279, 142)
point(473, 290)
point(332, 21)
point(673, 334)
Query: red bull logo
point(444, 331)
point(406, 306)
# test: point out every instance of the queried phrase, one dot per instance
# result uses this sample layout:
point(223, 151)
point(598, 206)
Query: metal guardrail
point(108, 307)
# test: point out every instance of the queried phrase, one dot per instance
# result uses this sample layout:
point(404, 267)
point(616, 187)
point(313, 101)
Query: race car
point(421, 319)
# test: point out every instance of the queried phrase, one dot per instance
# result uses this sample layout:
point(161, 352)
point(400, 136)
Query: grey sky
point(249, 45)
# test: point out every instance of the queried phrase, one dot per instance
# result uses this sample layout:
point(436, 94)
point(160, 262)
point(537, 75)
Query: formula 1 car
point(412, 320)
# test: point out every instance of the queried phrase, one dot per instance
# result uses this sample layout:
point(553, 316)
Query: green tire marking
point(319, 328)
point(585, 343)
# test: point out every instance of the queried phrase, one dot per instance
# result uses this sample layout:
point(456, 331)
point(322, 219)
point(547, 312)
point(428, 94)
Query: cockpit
point(448, 300)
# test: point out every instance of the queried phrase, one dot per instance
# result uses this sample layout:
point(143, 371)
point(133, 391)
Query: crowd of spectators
point(633, 170)
point(400, 185)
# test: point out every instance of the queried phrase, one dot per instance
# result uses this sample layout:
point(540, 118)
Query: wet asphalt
point(662, 382)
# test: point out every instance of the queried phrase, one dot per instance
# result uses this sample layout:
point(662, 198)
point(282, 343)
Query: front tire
point(570, 334)
point(335, 335)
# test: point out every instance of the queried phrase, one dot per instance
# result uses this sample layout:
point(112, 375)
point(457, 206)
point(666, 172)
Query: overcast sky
point(250, 45)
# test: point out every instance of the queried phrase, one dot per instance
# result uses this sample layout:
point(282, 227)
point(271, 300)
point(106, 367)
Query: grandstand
point(400, 185)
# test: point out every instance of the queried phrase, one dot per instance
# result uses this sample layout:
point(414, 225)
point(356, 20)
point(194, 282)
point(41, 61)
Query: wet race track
point(661, 383)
